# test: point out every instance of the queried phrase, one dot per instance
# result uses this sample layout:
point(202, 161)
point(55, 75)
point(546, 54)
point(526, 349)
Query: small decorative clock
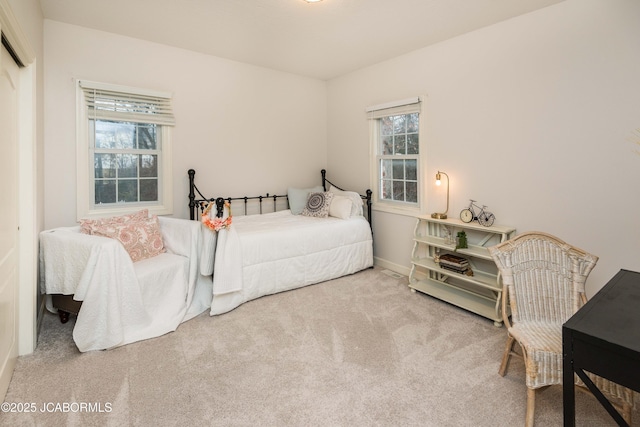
point(466, 215)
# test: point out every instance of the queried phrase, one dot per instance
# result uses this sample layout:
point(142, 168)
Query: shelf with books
point(465, 277)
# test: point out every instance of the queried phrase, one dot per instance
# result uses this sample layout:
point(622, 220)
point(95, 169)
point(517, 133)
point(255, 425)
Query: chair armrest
point(190, 239)
point(64, 256)
point(177, 235)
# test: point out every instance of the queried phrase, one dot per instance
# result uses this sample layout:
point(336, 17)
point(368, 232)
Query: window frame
point(85, 174)
point(374, 116)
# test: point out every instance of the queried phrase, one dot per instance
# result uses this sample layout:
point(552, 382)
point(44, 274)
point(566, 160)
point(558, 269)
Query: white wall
point(246, 130)
point(534, 117)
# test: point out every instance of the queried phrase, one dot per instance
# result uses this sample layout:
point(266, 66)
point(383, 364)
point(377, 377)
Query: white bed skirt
point(281, 251)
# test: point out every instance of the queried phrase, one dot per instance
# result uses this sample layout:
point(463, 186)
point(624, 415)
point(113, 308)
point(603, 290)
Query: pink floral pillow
point(142, 238)
point(87, 226)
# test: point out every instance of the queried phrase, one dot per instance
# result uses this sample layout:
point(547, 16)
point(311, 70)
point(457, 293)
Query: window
point(124, 150)
point(395, 138)
point(125, 161)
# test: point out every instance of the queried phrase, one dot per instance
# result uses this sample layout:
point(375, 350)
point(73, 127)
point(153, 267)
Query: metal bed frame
point(202, 202)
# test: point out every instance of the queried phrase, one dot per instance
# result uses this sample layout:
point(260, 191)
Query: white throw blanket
point(228, 264)
point(123, 302)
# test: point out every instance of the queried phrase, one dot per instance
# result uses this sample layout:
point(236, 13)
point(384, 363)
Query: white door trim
point(27, 217)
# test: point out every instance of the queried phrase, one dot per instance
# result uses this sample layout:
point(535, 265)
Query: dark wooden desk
point(603, 337)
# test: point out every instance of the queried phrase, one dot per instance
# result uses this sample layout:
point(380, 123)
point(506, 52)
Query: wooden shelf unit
point(480, 293)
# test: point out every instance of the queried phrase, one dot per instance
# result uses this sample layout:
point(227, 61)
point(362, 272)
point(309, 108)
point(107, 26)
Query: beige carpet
point(361, 350)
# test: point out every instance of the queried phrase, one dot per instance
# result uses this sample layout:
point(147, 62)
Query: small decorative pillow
point(298, 198)
point(318, 205)
point(142, 239)
point(340, 207)
point(88, 225)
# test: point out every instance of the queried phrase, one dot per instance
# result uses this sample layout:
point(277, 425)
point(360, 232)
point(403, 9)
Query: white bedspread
point(124, 302)
point(281, 251)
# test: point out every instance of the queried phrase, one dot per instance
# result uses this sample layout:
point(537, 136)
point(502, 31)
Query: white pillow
point(356, 200)
point(340, 207)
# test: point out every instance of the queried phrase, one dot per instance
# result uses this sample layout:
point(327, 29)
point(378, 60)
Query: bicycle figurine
point(485, 218)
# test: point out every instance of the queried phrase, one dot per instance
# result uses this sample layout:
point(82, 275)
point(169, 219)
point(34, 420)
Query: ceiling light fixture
point(312, 1)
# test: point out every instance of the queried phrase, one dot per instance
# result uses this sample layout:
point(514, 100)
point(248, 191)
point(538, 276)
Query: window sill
point(397, 210)
point(123, 210)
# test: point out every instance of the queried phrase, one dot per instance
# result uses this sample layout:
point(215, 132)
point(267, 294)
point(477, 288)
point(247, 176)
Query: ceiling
point(320, 40)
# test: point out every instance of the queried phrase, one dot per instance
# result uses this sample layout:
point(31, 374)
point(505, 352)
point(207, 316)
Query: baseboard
point(383, 263)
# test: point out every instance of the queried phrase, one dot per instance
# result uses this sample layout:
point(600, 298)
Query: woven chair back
point(545, 277)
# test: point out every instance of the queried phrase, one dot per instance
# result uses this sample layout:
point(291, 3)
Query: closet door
point(8, 218)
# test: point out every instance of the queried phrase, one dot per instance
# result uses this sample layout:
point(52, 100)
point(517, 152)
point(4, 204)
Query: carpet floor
point(361, 350)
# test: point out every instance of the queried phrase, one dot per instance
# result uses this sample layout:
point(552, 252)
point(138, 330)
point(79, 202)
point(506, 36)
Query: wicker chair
point(544, 280)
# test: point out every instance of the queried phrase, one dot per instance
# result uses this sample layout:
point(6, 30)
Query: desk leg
point(601, 398)
point(568, 387)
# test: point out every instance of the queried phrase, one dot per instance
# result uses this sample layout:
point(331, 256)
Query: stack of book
point(454, 263)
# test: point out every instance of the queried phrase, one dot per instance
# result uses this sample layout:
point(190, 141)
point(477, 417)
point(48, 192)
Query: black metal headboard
point(366, 198)
point(201, 203)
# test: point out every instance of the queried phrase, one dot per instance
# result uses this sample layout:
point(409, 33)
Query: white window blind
point(119, 103)
point(395, 108)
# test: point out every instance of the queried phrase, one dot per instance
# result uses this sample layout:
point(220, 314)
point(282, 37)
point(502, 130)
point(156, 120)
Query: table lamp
point(442, 215)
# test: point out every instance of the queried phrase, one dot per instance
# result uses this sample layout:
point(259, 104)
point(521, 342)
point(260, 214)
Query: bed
point(276, 244)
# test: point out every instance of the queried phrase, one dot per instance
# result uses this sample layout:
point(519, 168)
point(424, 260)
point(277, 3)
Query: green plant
point(461, 240)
